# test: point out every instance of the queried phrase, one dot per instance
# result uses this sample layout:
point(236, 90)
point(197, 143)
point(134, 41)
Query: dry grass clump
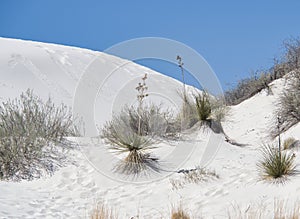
point(280, 210)
point(179, 213)
point(187, 116)
point(193, 176)
point(276, 164)
point(103, 212)
point(31, 132)
point(288, 143)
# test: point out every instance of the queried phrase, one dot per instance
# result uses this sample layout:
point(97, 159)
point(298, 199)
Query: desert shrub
point(153, 121)
point(179, 213)
point(288, 143)
point(276, 164)
point(247, 88)
point(30, 132)
point(292, 54)
point(288, 107)
point(29, 115)
point(219, 109)
point(193, 176)
point(187, 116)
point(101, 211)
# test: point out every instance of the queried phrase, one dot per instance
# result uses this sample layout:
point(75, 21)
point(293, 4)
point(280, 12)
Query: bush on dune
point(248, 87)
point(30, 130)
point(288, 107)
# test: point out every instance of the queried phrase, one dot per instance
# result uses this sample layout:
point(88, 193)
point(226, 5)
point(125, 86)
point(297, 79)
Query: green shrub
point(203, 106)
point(276, 164)
point(31, 133)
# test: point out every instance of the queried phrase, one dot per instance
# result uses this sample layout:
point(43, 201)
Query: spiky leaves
point(122, 137)
point(276, 164)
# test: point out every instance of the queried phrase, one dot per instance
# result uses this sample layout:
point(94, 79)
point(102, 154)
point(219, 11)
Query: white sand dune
point(72, 191)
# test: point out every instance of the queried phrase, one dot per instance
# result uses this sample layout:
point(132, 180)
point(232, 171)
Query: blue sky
point(235, 37)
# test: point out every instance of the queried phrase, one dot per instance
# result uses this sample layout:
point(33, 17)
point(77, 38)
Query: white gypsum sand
point(74, 190)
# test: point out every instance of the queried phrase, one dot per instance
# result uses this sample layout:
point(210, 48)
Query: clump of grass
point(207, 110)
point(288, 143)
point(103, 212)
point(276, 164)
point(179, 213)
point(203, 106)
point(31, 132)
point(187, 116)
point(211, 111)
point(193, 176)
point(280, 210)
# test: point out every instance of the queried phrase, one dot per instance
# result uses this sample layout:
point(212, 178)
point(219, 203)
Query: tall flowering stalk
point(180, 64)
point(141, 88)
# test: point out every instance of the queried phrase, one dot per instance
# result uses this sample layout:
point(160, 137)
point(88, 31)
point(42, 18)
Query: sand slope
point(73, 190)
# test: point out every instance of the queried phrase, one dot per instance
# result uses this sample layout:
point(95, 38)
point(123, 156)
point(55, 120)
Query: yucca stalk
point(141, 88)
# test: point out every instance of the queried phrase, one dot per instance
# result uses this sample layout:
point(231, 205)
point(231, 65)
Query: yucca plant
point(123, 139)
point(132, 132)
point(276, 164)
point(203, 106)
